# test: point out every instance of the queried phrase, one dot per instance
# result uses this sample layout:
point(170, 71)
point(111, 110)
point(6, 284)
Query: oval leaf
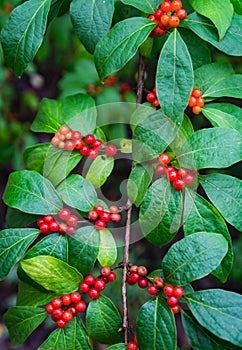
point(156, 319)
point(55, 341)
point(13, 244)
point(29, 296)
point(49, 116)
point(31, 193)
point(229, 86)
point(100, 170)
point(76, 336)
point(22, 321)
point(19, 37)
point(111, 52)
point(56, 275)
point(103, 321)
point(91, 20)
point(138, 183)
point(219, 311)
point(34, 157)
point(174, 78)
point(147, 6)
point(107, 254)
point(224, 192)
point(194, 257)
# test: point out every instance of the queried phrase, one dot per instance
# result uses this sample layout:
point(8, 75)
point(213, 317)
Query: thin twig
point(140, 86)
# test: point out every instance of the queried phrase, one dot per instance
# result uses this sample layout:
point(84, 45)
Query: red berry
point(192, 101)
point(70, 230)
point(168, 290)
point(175, 309)
point(115, 217)
point(73, 310)
point(93, 153)
point(181, 13)
point(172, 175)
point(54, 226)
point(178, 184)
point(76, 135)
point(176, 5)
point(152, 290)
point(156, 103)
point(158, 32)
point(92, 215)
point(178, 292)
point(158, 14)
point(57, 303)
point(99, 284)
point(64, 214)
point(130, 281)
point(172, 301)
point(84, 287)
point(110, 150)
point(93, 293)
point(166, 6)
point(90, 279)
point(49, 308)
point(160, 170)
point(105, 271)
point(40, 221)
point(134, 277)
point(181, 173)
point(62, 228)
point(97, 144)
point(165, 19)
point(44, 228)
point(67, 316)
point(197, 92)
point(70, 145)
point(189, 179)
point(151, 17)
point(151, 97)
point(48, 219)
point(75, 297)
point(79, 144)
point(80, 306)
point(61, 323)
point(72, 221)
point(89, 139)
point(100, 225)
point(105, 216)
point(112, 277)
point(113, 209)
point(85, 151)
point(143, 282)
point(66, 299)
point(164, 158)
point(99, 209)
point(132, 346)
point(57, 314)
point(196, 110)
point(200, 102)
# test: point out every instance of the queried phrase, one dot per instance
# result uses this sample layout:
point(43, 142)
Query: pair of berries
point(137, 274)
point(169, 14)
point(101, 217)
point(152, 98)
point(196, 101)
point(179, 178)
point(68, 224)
point(173, 294)
point(62, 310)
point(132, 345)
point(93, 286)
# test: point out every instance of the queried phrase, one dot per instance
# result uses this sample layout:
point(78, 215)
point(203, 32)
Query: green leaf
point(219, 12)
point(120, 346)
point(201, 338)
point(19, 37)
point(194, 257)
point(78, 193)
point(16, 218)
point(147, 6)
point(31, 193)
point(103, 321)
point(204, 28)
point(91, 20)
point(211, 148)
point(199, 215)
point(59, 163)
point(219, 311)
point(83, 248)
point(100, 170)
point(170, 220)
point(229, 86)
point(152, 133)
point(21, 321)
point(79, 113)
point(156, 319)
point(13, 244)
point(174, 77)
point(56, 275)
point(28, 295)
point(224, 192)
point(107, 254)
point(34, 157)
point(237, 6)
point(111, 53)
point(49, 116)
point(183, 134)
point(55, 341)
point(210, 74)
point(138, 183)
point(224, 115)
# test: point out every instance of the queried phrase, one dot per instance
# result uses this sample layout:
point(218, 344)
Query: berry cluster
point(67, 224)
point(173, 294)
point(137, 274)
point(132, 345)
point(152, 98)
point(167, 15)
point(196, 101)
point(63, 309)
point(179, 178)
point(93, 286)
point(101, 216)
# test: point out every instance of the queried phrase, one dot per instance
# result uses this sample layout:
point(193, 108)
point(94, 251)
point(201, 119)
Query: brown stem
point(140, 86)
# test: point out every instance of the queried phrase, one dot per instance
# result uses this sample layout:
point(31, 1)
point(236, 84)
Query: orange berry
point(174, 21)
point(196, 109)
point(200, 102)
point(196, 92)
